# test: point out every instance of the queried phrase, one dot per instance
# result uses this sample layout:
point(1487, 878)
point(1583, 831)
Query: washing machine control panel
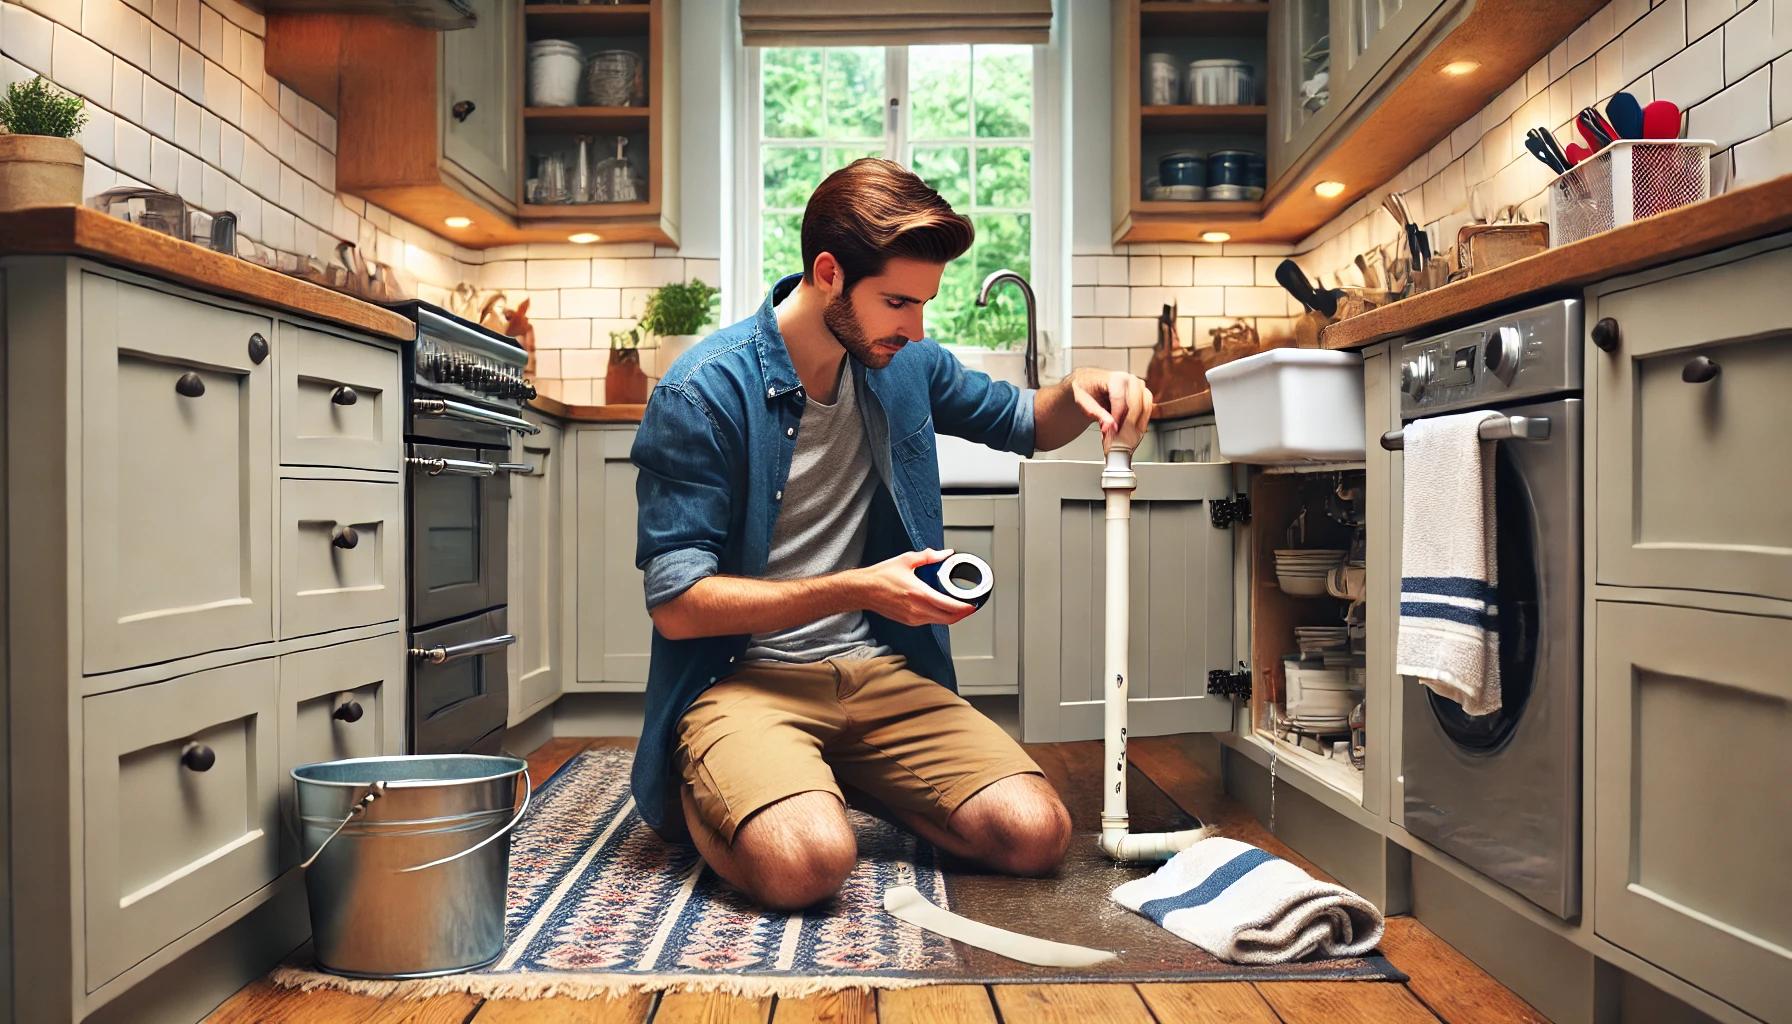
point(1532, 352)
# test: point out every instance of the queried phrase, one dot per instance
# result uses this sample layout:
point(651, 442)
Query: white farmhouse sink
point(967, 464)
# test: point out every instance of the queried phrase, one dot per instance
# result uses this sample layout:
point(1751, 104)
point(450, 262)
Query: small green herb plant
point(679, 309)
point(39, 108)
point(624, 340)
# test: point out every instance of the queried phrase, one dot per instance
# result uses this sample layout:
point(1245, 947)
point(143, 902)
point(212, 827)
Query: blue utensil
point(1626, 115)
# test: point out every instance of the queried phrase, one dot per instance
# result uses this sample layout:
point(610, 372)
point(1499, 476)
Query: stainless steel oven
point(465, 396)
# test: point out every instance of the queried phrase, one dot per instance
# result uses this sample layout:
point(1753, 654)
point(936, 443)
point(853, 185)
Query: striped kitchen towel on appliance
point(1449, 573)
point(1249, 907)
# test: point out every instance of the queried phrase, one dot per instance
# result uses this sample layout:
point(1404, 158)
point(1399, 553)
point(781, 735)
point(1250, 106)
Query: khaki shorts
point(773, 730)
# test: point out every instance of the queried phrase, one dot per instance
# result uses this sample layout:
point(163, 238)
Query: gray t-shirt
point(821, 527)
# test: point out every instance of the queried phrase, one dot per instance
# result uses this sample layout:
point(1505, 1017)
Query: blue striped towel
point(1248, 907)
point(1449, 574)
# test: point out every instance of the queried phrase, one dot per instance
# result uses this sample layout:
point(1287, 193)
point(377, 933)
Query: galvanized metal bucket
point(407, 860)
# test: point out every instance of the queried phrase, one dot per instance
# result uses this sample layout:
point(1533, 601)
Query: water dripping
point(1275, 747)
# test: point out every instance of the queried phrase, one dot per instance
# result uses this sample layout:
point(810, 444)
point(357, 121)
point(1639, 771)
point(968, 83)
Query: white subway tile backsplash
point(165, 13)
point(558, 273)
point(583, 362)
point(192, 74)
point(280, 228)
point(1224, 270)
point(1082, 300)
point(98, 135)
point(211, 34)
point(1537, 79)
point(222, 93)
point(1192, 300)
point(1086, 332)
point(1255, 301)
point(233, 51)
point(1655, 38)
point(191, 179)
point(649, 273)
point(214, 192)
point(599, 303)
point(292, 188)
point(1739, 112)
point(164, 56)
point(287, 139)
point(1097, 358)
point(1558, 61)
point(96, 177)
point(232, 145)
point(68, 12)
point(634, 302)
point(127, 92)
point(28, 37)
point(1083, 269)
point(1755, 36)
point(1177, 271)
point(1626, 13)
point(1149, 302)
point(1695, 74)
point(1144, 271)
point(261, 172)
point(1766, 156)
point(562, 334)
point(117, 28)
point(247, 209)
point(1782, 90)
point(1561, 105)
point(1111, 301)
point(1704, 15)
point(1130, 332)
point(186, 124)
point(210, 138)
point(1608, 69)
point(158, 109)
point(1110, 270)
point(81, 65)
point(186, 22)
point(164, 165)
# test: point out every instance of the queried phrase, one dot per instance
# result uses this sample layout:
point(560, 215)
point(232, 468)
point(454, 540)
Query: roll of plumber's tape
point(962, 576)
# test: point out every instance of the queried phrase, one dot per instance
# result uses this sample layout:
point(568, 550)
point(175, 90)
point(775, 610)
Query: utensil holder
point(1626, 181)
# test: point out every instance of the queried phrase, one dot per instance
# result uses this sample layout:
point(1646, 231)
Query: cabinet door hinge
point(1228, 511)
point(1222, 683)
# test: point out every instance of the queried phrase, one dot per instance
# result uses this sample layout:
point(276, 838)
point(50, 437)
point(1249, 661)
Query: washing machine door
point(1501, 792)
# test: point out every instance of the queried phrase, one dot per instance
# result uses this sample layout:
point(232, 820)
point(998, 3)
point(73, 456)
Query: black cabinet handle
point(1699, 369)
point(345, 537)
point(190, 385)
point(348, 711)
point(1605, 334)
point(198, 757)
point(258, 348)
point(344, 395)
point(463, 110)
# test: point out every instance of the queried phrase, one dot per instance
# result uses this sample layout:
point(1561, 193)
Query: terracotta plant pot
point(624, 383)
point(39, 170)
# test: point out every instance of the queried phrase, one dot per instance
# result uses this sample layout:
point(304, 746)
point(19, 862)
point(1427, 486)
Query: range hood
point(436, 14)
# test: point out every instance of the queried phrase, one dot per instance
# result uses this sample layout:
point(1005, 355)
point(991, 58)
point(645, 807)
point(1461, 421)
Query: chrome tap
point(1026, 291)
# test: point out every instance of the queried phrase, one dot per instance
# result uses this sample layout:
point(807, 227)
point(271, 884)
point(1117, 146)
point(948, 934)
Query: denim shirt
point(713, 454)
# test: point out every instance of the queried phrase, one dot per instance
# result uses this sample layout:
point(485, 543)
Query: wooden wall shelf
point(1192, 17)
point(588, 19)
point(586, 120)
point(1188, 118)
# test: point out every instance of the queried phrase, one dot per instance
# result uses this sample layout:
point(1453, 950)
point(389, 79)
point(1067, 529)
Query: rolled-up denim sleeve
point(972, 405)
point(684, 490)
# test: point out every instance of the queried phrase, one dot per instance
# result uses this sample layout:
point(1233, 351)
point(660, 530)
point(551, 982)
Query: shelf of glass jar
point(584, 171)
point(587, 19)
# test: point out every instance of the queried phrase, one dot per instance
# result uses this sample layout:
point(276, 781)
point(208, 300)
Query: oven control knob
point(1416, 375)
point(1501, 352)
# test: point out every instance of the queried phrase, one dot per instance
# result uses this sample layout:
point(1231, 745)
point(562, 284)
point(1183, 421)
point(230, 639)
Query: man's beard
point(839, 318)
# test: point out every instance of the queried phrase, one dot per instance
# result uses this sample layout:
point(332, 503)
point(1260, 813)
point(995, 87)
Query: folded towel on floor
point(1248, 907)
point(1449, 574)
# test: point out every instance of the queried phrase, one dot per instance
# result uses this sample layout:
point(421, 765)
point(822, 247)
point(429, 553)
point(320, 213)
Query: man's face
point(881, 314)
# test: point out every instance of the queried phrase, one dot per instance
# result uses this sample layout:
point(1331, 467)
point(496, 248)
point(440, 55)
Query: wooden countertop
point(79, 231)
point(588, 413)
point(1737, 216)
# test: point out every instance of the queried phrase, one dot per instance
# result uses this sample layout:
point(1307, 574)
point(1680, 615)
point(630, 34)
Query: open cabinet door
point(1181, 600)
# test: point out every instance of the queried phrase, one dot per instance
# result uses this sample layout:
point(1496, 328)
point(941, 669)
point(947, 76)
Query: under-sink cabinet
point(539, 573)
point(210, 531)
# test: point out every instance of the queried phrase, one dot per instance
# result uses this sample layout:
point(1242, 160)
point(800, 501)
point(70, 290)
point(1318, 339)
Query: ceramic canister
point(1183, 167)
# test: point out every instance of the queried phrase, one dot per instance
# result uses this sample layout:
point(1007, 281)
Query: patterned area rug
point(598, 904)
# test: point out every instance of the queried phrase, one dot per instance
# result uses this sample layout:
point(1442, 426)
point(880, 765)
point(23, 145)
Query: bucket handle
point(378, 789)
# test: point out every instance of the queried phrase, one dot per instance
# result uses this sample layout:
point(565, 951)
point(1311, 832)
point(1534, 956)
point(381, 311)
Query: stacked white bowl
point(1302, 571)
point(1321, 690)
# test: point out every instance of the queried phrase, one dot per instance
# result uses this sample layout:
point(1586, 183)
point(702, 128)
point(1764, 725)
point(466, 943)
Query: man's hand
point(1120, 402)
point(892, 589)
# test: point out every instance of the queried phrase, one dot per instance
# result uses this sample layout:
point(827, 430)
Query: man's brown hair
point(872, 210)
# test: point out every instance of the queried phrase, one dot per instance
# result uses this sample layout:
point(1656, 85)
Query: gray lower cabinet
point(1694, 483)
point(986, 646)
point(1690, 765)
point(615, 634)
point(537, 571)
point(1181, 600)
point(341, 555)
point(179, 804)
point(338, 401)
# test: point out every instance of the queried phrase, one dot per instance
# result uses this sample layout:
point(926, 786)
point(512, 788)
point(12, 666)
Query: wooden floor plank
point(267, 1003)
point(1343, 1002)
point(1070, 1004)
point(634, 1008)
point(848, 1006)
point(712, 1008)
point(1448, 982)
point(936, 1004)
point(1214, 1002)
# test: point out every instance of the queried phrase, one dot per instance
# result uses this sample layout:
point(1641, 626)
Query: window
point(963, 117)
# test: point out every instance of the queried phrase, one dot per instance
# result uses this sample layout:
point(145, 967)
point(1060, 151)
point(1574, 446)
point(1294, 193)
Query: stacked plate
point(1313, 639)
point(1321, 691)
point(1302, 571)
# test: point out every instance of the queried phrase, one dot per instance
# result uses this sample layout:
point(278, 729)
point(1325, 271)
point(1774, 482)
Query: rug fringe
point(543, 985)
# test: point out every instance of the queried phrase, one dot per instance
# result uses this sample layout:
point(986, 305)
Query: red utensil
point(1661, 120)
point(1577, 153)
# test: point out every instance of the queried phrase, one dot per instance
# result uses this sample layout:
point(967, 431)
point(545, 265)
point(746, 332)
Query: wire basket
point(1627, 180)
point(613, 79)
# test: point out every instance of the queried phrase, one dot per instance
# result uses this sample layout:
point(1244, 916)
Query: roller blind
point(893, 22)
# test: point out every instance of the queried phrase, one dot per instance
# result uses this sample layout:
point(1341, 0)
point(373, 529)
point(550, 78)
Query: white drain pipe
point(1118, 481)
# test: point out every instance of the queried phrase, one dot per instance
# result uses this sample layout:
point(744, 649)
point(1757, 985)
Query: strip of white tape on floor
point(906, 903)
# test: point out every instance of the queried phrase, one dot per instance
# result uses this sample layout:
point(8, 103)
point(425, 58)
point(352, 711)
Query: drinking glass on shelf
point(553, 178)
point(582, 184)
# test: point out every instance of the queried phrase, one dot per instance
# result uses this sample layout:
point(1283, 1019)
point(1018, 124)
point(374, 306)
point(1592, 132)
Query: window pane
point(945, 315)
point(839, 157)
point(792, 92)
point(791, 173)
point(947, 169)
point(1004, 176)
point(1004, 84)
point(1003, 240)
point(855, 92)
point(939, 92)
point(780, 246)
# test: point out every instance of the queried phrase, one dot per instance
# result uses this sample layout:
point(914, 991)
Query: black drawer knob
point(345, 538)
point(344, 395)
point(198, 757)
point(258, 348)
point(190, 385)
point(463, 110)
point(1700, 369)
point(347, 711)
point(1605, 334)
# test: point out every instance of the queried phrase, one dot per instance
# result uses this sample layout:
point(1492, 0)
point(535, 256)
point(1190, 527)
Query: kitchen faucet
point(1026, 291)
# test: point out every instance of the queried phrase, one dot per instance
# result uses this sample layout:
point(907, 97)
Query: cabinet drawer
point(173, 836)
point(339, 401)
point(1692, 474)
point(1691, 848)
point(341, 555)
point(335, 703)
point(176, 476)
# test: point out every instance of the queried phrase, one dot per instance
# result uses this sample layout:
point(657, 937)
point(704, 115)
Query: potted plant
point(625, 383)
point(40, 161)
point(676, 314)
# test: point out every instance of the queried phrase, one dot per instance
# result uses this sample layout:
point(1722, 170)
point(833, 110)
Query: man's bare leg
point(790, 854)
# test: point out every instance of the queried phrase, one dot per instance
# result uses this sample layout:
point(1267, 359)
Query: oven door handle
point(519, 468)
point(462, 411)
point(454, 652)
point(1511, 428)
point(452, 467)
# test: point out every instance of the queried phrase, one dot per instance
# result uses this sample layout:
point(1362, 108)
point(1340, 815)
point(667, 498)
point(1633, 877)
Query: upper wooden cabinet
point(478, 97)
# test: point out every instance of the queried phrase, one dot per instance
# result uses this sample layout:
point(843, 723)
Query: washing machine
point(1502, 792)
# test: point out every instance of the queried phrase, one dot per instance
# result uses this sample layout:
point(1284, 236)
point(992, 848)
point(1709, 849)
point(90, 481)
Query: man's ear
point(829, 276)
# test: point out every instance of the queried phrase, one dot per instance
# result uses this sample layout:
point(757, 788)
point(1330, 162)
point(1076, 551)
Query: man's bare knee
point(796, 852)
point(1017, 825)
